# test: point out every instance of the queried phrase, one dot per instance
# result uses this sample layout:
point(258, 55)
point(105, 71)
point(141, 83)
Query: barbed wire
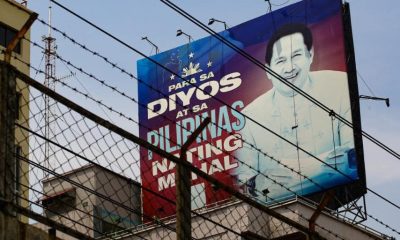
point(102, 196)
point(294, 213)
point(146, 189)
point(114, 65)
point(61, 216)
point(158, 91)
point(67, 205)
point(230, 133)
point(285, 188)
point(383, 224)
point(240, 161)
point(141, 186)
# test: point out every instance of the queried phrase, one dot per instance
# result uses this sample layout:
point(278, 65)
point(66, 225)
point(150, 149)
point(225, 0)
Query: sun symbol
point(191, 69)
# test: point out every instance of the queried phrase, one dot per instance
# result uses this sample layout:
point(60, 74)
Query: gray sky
point(376, 35)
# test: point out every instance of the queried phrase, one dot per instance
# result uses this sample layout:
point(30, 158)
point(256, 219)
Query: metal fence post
point(7, 133)
point(183, 193)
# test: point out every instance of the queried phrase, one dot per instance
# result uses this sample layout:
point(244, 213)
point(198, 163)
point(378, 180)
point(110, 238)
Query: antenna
point(49, 82)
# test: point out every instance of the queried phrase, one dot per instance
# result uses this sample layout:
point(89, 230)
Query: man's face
point(291, 60)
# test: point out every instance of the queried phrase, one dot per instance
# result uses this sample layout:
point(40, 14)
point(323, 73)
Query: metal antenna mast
point(49, 82)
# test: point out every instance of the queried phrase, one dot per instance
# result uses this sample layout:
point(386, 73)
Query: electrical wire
point(365, 83)
point(87, 92)
point(382, 197)
point(280, 4)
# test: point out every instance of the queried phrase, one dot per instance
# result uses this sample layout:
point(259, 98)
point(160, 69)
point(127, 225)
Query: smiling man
point(290, 54)
point(270, 159)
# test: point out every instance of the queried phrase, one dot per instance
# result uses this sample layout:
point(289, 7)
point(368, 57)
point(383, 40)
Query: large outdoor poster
point(265, 139)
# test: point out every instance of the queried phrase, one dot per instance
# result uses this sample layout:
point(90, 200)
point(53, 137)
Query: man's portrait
point(281, 158)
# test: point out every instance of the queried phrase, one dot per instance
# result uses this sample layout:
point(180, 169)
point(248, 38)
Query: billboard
point(264, 139)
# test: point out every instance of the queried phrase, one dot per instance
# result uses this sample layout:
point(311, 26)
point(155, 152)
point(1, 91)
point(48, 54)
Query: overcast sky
point(376, 35)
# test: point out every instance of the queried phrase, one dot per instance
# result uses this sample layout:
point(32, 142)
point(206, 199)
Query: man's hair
point(287, 30)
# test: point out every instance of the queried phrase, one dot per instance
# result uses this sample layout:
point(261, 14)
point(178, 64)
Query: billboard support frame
point(326, 198)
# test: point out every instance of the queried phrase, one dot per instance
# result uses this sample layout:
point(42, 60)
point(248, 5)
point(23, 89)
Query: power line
point(382, 197)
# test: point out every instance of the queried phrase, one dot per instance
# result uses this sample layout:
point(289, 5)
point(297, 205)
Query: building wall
point(14, 15)
point(84, 201)
point(11, 228)
point(114, 187)
point(234, 215)
point(330, 223)
point(124, 192)
point(242, 218)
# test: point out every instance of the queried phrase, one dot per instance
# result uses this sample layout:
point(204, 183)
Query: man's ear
point(311, 54)
point(268, 75)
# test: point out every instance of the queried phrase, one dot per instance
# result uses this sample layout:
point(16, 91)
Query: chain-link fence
point(74, 171)
point(82, 172)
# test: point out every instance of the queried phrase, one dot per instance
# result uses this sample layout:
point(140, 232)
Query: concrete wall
point(241, 217)
point(124, 192)
point(234, 215)
point(328, 226)
point(14, 15)
point(12, 229)
point(116, 188)
point(84, 200)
